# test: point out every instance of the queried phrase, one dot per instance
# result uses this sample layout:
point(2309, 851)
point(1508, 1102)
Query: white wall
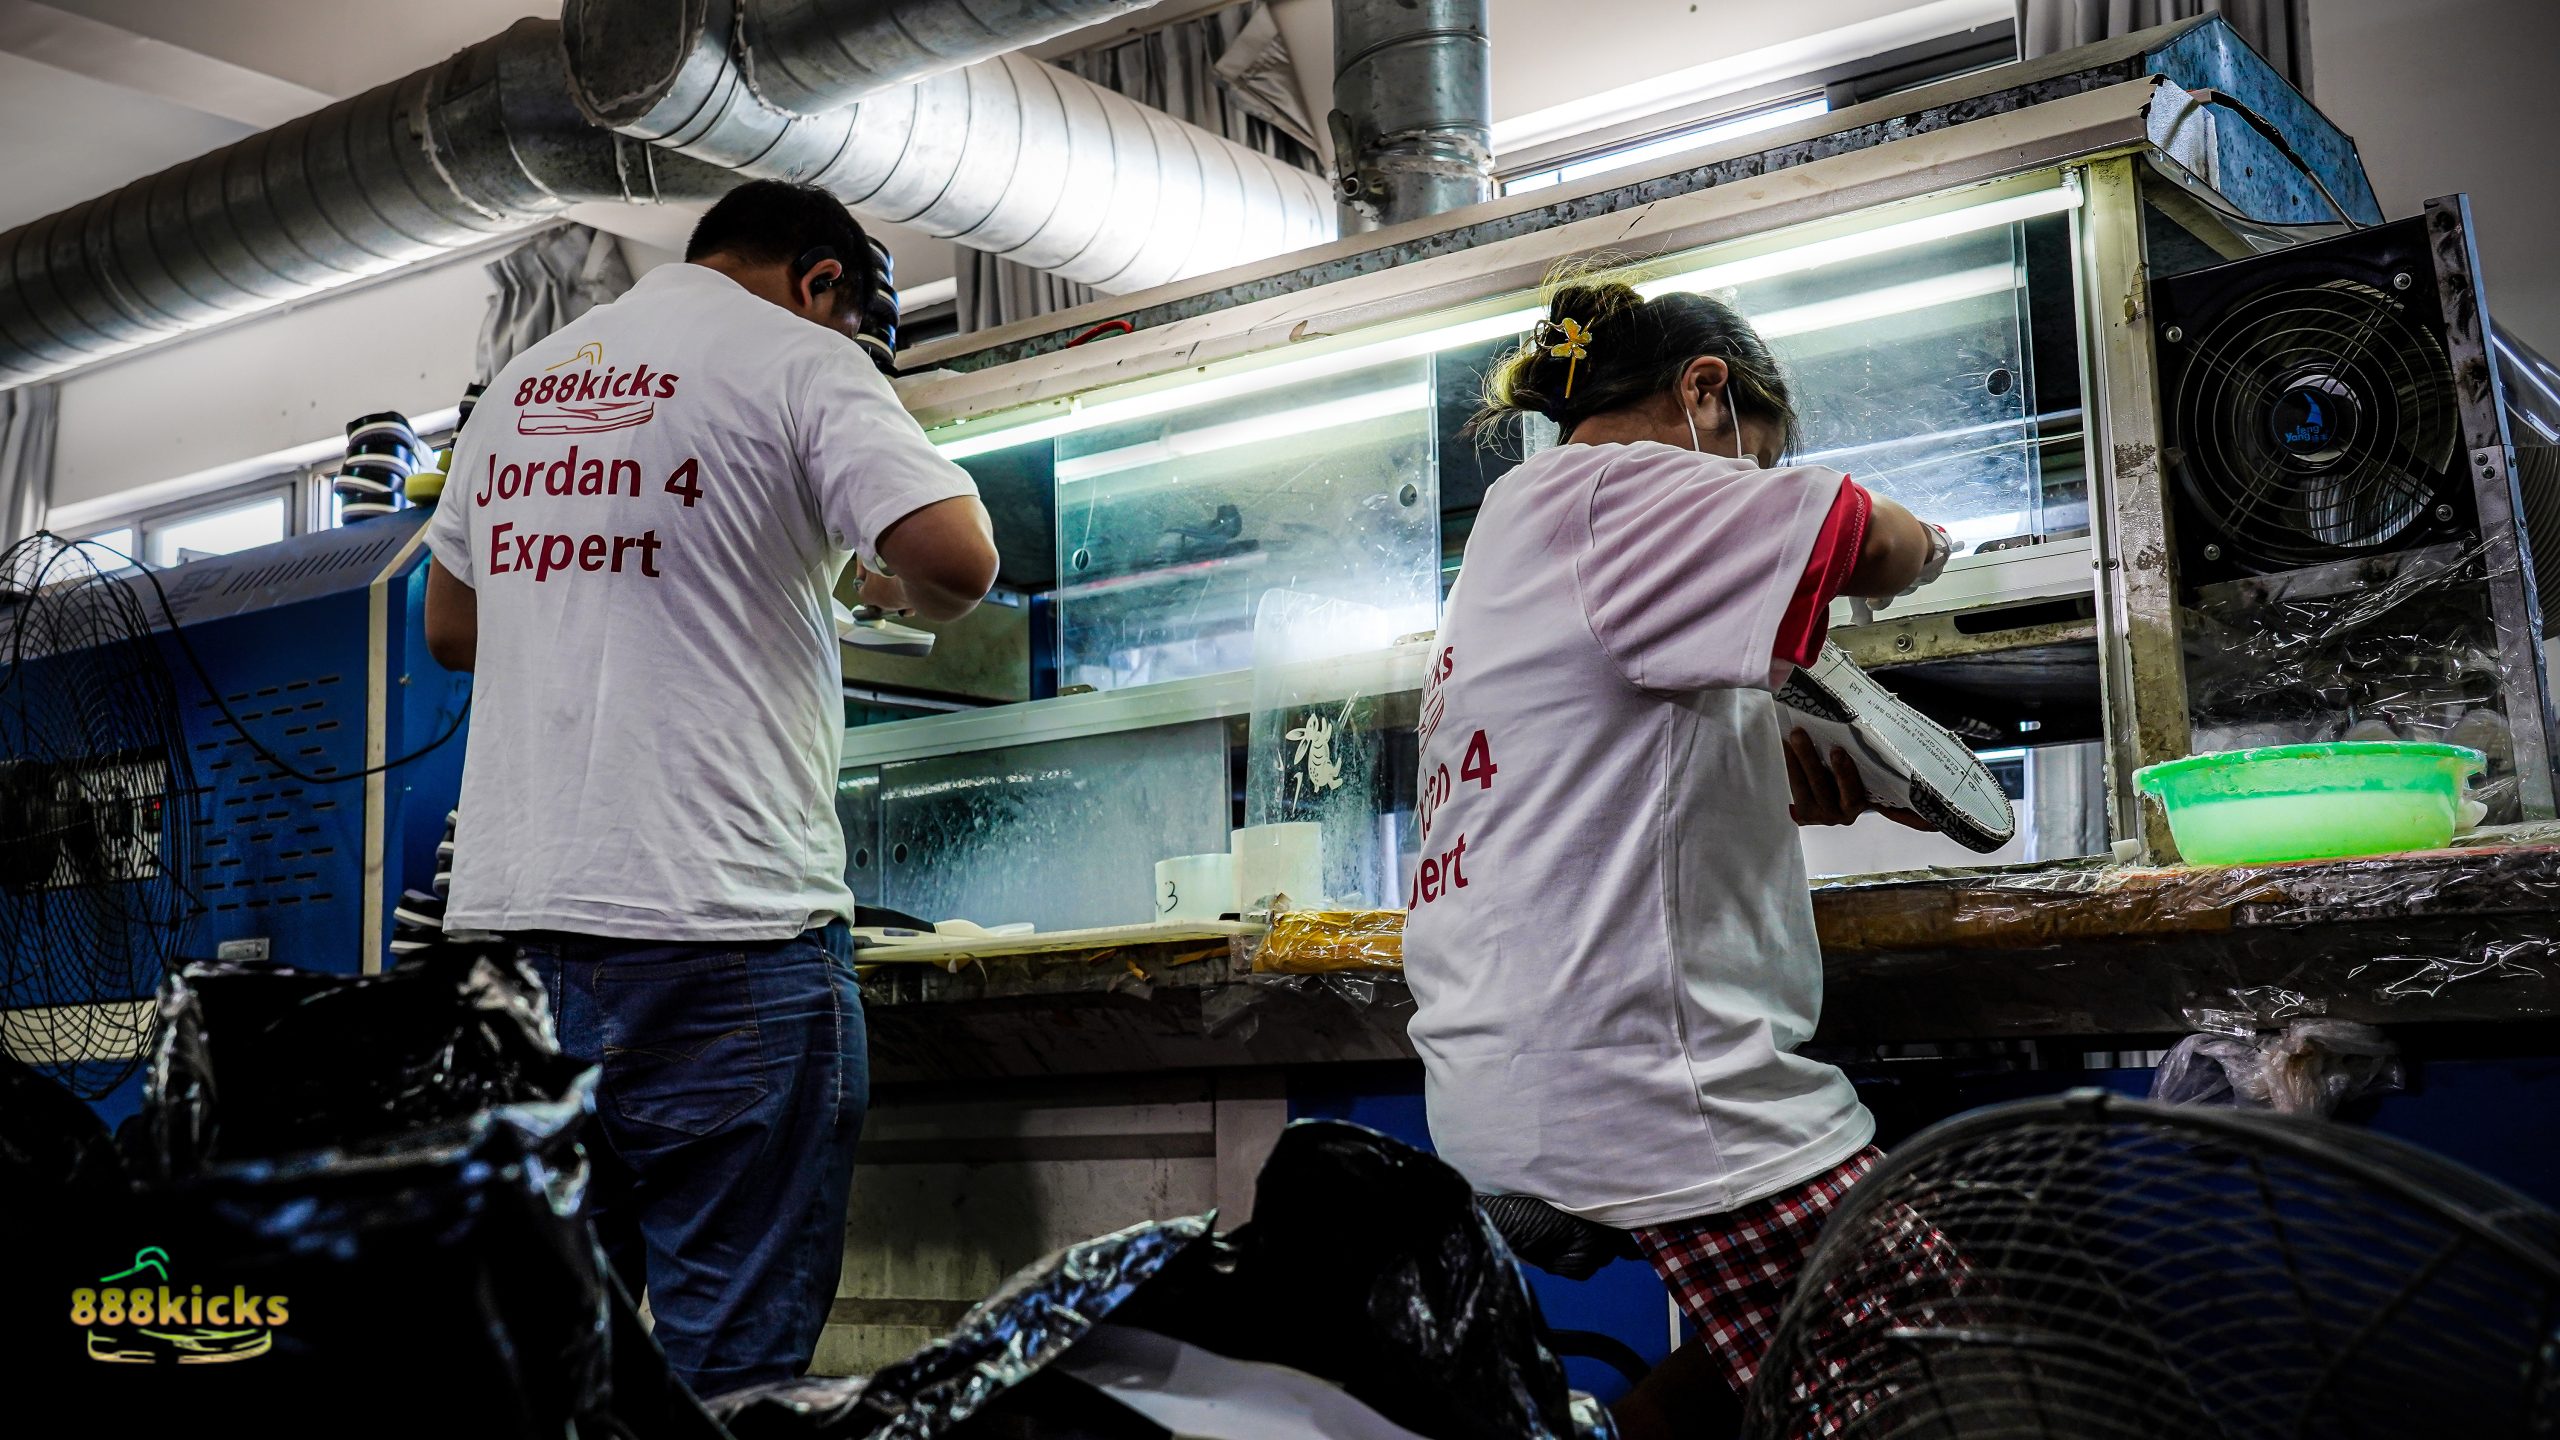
point(2446, 95)
point(271, 383)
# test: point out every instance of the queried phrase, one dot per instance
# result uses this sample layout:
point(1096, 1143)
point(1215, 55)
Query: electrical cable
point(204, 677)
point(2284, 147)
point(1107, 327)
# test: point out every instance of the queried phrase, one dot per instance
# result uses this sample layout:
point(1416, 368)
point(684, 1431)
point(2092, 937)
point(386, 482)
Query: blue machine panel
point(303, 639)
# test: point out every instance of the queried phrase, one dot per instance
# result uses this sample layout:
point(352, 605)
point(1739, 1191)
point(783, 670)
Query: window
point(262, 521)
point(116, 542)
point(295, 498)
point(1693, 137)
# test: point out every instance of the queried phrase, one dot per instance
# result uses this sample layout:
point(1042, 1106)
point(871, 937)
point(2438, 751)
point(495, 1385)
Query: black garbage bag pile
point(357, 1207)
point(1365, 1264)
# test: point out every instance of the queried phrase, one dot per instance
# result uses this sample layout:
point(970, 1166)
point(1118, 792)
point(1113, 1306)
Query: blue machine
point(319, 649)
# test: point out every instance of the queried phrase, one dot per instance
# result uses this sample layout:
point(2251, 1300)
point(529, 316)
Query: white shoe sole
point(1908, 761)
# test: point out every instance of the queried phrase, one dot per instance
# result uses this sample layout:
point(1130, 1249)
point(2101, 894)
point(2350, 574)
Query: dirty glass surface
point(1064, 834)
point(1911, 373)
point(1171, 529)
point(1315, 750)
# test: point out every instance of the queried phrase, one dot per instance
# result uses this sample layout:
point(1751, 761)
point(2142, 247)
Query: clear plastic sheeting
point(1172, 528)
point(1327, 942)
point(2397, 647)
point(2457, 934)
point(1416, 1311)
point(1235, 1012)
point(2310, 1067)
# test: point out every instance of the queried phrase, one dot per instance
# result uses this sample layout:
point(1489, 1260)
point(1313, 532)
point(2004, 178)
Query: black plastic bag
point(261, 1060)
point(371, 1218)
point(1001, 1343)
point(1368, 1263)
point(53, 1149)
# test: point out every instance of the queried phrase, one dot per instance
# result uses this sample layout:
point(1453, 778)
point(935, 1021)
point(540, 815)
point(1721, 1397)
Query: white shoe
point(865, 628)
point(1908, 761)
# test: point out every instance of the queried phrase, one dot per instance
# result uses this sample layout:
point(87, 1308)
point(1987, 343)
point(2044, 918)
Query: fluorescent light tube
point(1136, 400)
point(1891, 300)
point(1377, 405)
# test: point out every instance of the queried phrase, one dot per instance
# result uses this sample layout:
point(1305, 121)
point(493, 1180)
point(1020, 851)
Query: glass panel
point(858, 810)
point(219, 532)
point(1064, 834)
point(1171, 529)
point(1910, 373)
point(1316, 754)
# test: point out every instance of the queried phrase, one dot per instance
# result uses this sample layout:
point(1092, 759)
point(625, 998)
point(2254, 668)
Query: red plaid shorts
point(1732, 1273)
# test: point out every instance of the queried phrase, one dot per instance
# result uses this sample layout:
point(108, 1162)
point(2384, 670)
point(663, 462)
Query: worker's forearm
point(939, 602)
point(1894, 551)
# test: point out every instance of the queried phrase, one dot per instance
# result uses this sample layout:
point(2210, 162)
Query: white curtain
point(545, 283)
point(1229, 73)
point(2279, 30)
point(26, 459)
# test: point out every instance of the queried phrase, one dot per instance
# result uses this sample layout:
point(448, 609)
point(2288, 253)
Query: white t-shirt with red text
point(1610, 940)
point(653, 506)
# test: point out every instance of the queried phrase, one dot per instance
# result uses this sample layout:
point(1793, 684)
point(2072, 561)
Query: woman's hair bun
point(1602, 346)
point(1589, 302)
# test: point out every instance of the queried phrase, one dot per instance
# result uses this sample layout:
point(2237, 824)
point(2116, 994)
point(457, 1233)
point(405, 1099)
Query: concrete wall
point(2447, 95)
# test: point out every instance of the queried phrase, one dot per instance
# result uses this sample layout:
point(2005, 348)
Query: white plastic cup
point(1279, 860)
point(1195, 887)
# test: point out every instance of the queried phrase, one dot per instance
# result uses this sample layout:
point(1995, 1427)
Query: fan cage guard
point(2281, 485)
point(2092, 1268)
point(98, 804)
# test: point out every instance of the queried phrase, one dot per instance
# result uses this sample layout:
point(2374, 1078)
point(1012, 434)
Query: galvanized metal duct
point(1413, 108)
point(483, 143)
point(811, 56)
point(1007, 155)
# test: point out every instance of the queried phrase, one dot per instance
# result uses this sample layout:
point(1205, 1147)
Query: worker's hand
point(1831, 793)
point(885, 593)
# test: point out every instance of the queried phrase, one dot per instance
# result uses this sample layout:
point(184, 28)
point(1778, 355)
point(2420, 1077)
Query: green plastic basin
point(2311, 802)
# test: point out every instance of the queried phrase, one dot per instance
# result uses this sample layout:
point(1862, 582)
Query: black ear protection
point(811, 260)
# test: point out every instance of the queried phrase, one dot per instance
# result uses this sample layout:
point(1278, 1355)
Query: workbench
point(2078, 949)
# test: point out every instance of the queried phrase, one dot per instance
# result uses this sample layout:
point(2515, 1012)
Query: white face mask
point(1691, 416)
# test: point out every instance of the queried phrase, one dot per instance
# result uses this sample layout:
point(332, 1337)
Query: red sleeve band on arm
point(1835, 554)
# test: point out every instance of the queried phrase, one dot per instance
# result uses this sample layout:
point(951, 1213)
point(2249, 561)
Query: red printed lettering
point(524, 393)
point(666, 387)
point(686, 482)
point(591, 553)
point(498, 548)
point(1478, 764)
point(613, 482)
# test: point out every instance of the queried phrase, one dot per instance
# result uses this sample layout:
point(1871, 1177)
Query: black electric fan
point(2101, 1269)
point(97, 816)
point(2318, 423)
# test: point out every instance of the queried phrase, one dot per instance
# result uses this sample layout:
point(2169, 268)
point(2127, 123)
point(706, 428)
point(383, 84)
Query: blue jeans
point(734, 1081)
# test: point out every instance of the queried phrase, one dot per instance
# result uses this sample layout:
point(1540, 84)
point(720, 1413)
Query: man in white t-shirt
point(635, 552)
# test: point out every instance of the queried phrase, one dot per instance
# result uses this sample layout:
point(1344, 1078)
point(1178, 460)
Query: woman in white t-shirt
point(1610, 937)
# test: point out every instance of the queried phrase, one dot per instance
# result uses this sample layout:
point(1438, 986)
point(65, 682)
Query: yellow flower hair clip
point(1571, 341)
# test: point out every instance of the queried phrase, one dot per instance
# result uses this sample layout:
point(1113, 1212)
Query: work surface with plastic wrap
point(2078, 949)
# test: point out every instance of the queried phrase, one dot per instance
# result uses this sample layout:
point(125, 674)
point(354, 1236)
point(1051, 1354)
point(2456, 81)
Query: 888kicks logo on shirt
point(584, 396)
point(138, 1317)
